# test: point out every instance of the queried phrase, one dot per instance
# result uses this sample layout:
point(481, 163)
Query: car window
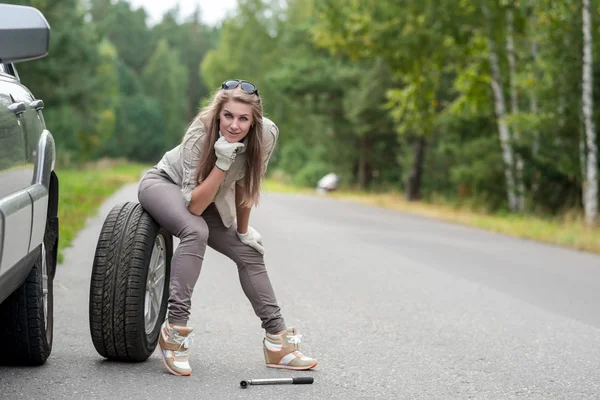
point(11, 70)
point(8, 69)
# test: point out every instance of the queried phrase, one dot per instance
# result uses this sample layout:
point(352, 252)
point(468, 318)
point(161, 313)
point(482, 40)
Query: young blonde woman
point(202, 192)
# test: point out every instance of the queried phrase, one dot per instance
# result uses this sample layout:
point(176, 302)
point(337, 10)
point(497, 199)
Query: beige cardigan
point(181, 164)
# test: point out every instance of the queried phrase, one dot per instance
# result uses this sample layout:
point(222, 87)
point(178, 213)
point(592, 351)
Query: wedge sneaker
point(175, 343)
point(282, 351)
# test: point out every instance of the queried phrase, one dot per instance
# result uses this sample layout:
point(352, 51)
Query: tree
point(107, 99)
point(591, 185)
point(165, 78)
point(424, 37)
point(364, 105)
point(247, 47)
point(126, 29)
point(514, 101)
point(192, 40)
point(500, 105)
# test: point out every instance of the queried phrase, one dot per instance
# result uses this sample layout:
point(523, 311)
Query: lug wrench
point(277, 381)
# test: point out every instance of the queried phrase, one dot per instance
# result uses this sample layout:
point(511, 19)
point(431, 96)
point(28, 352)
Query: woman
point(202, 192)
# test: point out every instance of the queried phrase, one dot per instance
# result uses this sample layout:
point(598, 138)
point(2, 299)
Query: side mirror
point(24, 33)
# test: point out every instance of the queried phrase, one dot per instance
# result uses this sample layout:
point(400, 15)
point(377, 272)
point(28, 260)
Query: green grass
point(567, 231)
point(83, 190)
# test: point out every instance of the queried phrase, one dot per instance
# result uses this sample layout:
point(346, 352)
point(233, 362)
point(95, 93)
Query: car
point(28, 196)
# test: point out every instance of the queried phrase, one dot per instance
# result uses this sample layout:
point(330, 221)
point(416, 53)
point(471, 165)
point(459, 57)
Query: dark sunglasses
point(247, 87)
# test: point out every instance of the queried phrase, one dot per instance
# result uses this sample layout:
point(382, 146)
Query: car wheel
point(130, 284)
point(26, 317)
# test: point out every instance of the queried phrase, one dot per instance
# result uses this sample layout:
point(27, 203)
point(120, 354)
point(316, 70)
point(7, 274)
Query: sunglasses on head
point(246, 86)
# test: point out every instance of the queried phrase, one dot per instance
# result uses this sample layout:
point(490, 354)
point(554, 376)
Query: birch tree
point(535, 78)
point(590, 188)
point(533, 100)
point(500, 108)
point(514, 100)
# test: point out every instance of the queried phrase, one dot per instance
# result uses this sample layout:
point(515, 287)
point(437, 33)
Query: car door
point(32, 125)
point(15, 177)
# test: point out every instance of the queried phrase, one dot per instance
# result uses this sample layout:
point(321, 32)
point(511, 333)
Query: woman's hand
point(253, 239)
point(226, 153)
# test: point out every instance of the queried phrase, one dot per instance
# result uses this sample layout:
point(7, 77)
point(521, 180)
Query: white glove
point(226, 153)
point(253, 239)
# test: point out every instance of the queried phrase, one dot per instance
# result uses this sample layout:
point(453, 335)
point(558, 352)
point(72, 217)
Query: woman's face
point(235, 120)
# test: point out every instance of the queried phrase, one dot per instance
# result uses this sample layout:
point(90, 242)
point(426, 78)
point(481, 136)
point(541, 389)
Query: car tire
point(27, 315)
point(130, 284)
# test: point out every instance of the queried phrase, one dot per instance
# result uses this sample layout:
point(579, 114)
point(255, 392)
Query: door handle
point(37, 105)
point(17, 108)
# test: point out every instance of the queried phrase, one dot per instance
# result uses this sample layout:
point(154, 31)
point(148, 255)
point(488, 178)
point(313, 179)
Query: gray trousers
point(162, 199)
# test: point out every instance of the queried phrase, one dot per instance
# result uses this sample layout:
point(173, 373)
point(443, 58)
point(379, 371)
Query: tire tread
point(117, 287)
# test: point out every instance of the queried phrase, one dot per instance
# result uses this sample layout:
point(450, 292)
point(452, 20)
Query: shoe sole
point(171, 370)
point(279, 366)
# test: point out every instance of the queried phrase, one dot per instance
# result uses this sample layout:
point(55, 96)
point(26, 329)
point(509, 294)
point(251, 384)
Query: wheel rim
point(45, 286)
point(155, 284)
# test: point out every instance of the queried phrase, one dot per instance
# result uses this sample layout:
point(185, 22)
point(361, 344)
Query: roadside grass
point(566, 231)
point(82, 190)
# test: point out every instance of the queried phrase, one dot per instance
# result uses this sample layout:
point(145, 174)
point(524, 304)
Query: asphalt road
point(394, 307)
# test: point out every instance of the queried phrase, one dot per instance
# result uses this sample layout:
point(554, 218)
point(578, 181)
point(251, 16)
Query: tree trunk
point(560, 109)
point(563, 87)
point(582, 162)
point(514, 102)
point(590, 189)
point(363, 163)
point(533, 101)
point(510, 51)
point(500, 107)
point(413, 192)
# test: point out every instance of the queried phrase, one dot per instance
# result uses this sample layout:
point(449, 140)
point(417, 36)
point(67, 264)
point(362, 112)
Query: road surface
point(394, 306)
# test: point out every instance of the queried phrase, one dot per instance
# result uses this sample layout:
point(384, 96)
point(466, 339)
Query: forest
point(490, 103)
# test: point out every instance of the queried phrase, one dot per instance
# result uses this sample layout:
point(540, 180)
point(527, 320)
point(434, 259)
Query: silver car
point(28, 196)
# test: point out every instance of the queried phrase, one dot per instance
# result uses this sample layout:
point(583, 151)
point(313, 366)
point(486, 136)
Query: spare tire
point(130, 284)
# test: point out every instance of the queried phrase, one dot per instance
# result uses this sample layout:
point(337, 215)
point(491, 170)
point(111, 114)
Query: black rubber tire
point(25, 338)
point(118, 284)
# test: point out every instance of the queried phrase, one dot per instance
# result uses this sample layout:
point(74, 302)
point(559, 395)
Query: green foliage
point(126, 29)
point(440, 55)
point(165, 79)
point(82, 191)
point(191, 40)
point(351, 85)
point(140, 130)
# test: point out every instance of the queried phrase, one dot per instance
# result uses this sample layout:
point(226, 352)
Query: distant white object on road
point(328, 183)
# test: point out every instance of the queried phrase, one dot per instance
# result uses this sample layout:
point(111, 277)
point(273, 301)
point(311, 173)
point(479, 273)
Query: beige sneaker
point(175, 343)
point(281, 351)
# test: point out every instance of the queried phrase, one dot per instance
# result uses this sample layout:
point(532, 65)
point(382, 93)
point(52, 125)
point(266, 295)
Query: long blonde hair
point(209, 116)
